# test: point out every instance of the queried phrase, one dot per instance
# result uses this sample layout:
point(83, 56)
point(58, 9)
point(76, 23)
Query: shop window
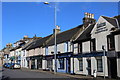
point(80, 64)
point(93, 45)
point(79, 47)
point(99, 65)
point(49, 63)
point(61, 62)
point(111, 43)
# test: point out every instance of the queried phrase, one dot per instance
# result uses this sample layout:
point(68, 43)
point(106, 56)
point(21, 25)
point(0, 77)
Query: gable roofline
point(111, 20)
point(80, 32)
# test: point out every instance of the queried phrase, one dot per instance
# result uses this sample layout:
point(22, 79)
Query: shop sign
point(101, 27)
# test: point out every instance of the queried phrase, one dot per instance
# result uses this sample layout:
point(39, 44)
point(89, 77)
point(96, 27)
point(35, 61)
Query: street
point(18, 73)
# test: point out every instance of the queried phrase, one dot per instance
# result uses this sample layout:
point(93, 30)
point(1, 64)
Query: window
point(66, 47)
point(61, 62)
point(93, 45)
point(80, 64)
point(99, 65)
point(111, 43)
point(79, 47)
point(46, 50)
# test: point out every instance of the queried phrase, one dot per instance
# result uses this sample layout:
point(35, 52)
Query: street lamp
point(55, 51)
point(103, 47)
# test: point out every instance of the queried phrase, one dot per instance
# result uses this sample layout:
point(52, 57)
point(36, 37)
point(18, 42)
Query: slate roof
point(86, 34)
point(118, 18)
point(38, 43)
point(111, 20)
point(64, 36)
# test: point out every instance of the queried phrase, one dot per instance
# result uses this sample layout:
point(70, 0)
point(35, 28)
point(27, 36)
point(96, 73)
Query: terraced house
point(92, 47)
point(89, 54)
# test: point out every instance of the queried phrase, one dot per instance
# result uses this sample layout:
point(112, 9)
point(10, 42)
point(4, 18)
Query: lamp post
point(103, 47)
point(55, 47)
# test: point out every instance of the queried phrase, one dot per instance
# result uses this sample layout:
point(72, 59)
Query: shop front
point(48, 62)
point(88, 63)
point(64, 62)
point(35, 62)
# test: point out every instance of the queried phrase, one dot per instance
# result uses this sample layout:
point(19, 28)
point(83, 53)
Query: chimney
point(88, 18)
point(57, 29)
point(25, 37)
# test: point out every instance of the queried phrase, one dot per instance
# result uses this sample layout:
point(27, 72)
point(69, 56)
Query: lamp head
point(46, 2)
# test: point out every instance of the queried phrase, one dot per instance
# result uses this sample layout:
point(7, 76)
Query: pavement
point(16, 74)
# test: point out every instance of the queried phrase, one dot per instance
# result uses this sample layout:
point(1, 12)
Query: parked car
point(15, 66)
point(5, 65)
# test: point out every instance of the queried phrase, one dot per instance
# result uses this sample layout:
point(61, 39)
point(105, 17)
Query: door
point(68, 65)
point(33, 64)
point(89, 66)
point(39, 62)
point(112, 67)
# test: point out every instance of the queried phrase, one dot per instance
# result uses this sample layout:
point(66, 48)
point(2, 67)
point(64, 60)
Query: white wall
point(61, 47)
point(76, 66)
point(118, 67)
point(86, 46)
point(101, 38)
point(76, 48)
point(31, 52)
point(94, 66)
point(117, 42)
point(37, 51)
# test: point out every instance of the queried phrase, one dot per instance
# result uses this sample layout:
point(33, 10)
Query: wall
point(86, 46)
point(76, 66)
point(76, 48)
point(37, 51)
point(118, 67)
point(101, 38)
point(94, 66)
point(31, 52)
point(117, 43)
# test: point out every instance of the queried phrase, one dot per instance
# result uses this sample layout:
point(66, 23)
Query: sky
point(30, 18)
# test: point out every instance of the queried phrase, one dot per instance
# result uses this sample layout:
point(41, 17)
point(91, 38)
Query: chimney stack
point(57, 29)
point(88, 18)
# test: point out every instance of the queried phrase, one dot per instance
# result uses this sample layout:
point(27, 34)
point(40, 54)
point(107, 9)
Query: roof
point(64, 36)
point(111, 20)
point(118, 18)
point(116, 32)
point(27, 45)
point(86, 34)
point(38, 43)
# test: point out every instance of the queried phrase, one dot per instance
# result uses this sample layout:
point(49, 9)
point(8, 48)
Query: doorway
point(68, 65)
point(112, 67)
point(89, 66)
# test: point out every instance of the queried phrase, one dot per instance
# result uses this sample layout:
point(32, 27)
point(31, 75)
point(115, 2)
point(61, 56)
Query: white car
point(16, 66)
